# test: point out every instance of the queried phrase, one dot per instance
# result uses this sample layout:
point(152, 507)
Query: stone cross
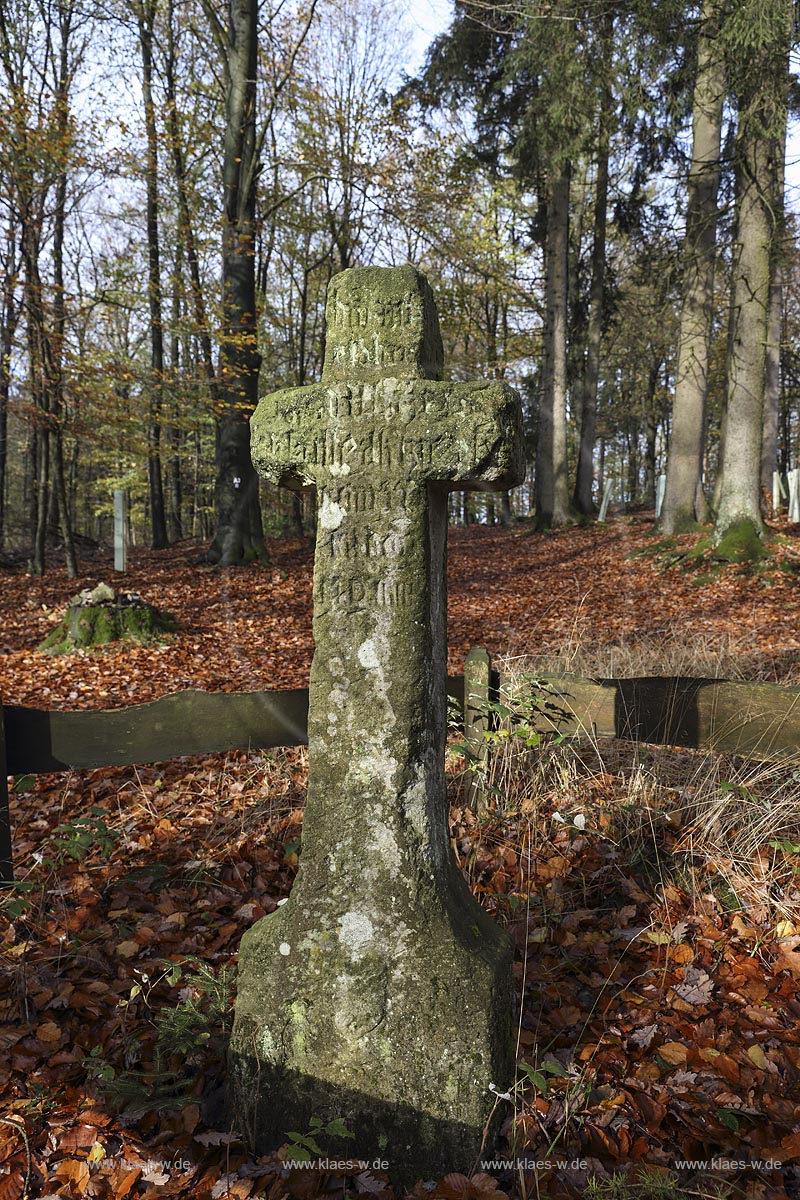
point(381, 992)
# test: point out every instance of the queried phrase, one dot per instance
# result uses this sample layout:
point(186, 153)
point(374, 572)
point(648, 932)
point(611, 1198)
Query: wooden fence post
point(477, 677)
point(6, 861)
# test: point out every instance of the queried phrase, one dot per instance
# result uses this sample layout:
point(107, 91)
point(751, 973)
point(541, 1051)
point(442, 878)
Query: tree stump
point(97, 616)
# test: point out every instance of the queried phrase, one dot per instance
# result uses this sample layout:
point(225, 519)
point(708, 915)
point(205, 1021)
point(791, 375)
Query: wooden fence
point(759, 721)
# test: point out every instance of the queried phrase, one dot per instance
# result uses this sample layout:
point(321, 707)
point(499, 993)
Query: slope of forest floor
point(651, 893)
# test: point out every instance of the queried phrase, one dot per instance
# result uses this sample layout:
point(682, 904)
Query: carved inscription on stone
point(371, 312)
point(345, 591)
point(361, 543)
point(343, 450)
point(384, 325)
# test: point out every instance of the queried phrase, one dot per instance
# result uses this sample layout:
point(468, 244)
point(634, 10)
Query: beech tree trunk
point(239, 534)
point(145, 14)
point(173, 475)
point(772, 366)
point(185, 222)
point(552, 488)
point(740, 499)
point(54, 358)
point(762, 105)
point(584, 475)
point(684, 500)
point(10, 317)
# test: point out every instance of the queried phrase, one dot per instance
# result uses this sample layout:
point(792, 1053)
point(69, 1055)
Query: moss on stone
point(100, 617)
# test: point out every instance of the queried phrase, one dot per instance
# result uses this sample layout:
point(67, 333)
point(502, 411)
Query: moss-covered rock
point(97, 616)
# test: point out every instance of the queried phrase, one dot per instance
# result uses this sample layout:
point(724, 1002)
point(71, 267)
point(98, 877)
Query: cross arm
point(479, 445)
point(284, 431)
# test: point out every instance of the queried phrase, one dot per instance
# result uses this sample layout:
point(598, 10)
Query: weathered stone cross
point(381, 992)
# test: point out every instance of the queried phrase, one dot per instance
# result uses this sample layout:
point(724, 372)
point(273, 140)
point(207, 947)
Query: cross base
point(338, 1036)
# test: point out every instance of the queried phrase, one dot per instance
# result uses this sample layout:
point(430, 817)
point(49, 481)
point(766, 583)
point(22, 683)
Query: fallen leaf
point(80, 1137)
point(12, 1186)
point(453, 1187)
point(49, 1032)
point(127, 949)
point(215, 1137)
point(673, 1053)
point(368, 1184)
point(231, 1185)
point(788, 956)
point(124, 1181)
point(697, 986)
point(73, 1172)
point(791, 1146)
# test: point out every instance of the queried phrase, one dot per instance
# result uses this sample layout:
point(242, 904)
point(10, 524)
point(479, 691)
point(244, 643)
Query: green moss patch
point(741, 543)
point(98, 616)
point(769, 559)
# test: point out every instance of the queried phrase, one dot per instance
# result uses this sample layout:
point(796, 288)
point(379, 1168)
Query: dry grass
point(673, 651)
point(709, 822)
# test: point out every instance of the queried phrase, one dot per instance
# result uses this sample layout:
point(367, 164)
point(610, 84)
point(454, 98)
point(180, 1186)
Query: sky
point(426, 19)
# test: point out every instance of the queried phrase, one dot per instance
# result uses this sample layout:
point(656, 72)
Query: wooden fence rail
point(759, 721)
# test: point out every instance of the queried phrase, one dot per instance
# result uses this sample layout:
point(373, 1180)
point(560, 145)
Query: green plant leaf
point(337, 1128)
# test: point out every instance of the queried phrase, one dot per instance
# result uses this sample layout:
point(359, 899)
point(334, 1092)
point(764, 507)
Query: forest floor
point(651, 892)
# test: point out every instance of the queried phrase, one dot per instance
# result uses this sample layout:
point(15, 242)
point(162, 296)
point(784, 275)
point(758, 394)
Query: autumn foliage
point(657, 961)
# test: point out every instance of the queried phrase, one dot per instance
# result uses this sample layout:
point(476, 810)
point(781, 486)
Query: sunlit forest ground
point(651, 892)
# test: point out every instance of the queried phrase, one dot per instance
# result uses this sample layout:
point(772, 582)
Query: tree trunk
point(146, 13)
point(772, 366)
point(185, 223)
point(552, 492)
point(239, 535)
point(772, 389)
point(584, 475)
point(650, 435)
point(685, 463)
point(54, 357)
point(174, 481)
point(39, 557)
point(762, 104)
point(10, 317)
